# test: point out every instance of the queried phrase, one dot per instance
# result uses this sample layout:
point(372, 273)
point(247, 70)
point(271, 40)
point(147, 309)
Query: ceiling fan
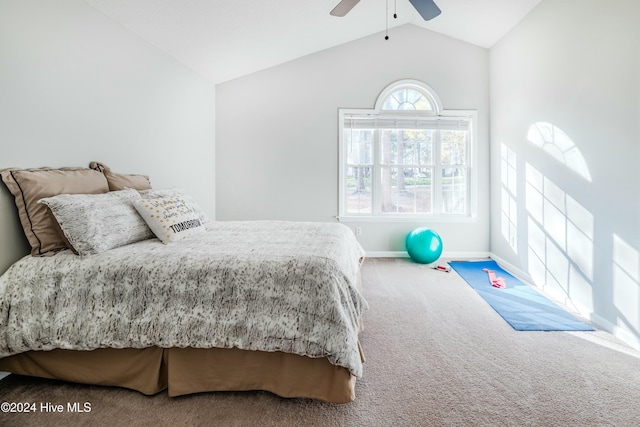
point(426, 8)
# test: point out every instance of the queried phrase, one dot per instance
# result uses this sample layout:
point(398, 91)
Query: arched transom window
point(410, 96)
point(407, 99)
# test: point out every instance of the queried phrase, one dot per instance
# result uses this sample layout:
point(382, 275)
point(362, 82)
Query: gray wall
point(575, 64)
point(76, 86)
point(277, 130)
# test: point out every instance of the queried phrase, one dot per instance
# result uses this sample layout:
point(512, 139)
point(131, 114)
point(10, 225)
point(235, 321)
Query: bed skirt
point(189, 370)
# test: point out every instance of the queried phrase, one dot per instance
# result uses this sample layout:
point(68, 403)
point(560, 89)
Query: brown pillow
point(120, 181)
point(66, 241)
point(30, 185)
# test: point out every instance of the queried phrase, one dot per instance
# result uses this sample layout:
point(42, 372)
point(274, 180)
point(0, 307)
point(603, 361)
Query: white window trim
point(472, 115)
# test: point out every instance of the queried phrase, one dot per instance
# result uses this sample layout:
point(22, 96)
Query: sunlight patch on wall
point(509, 217)
point(560, 240)
point(555, 142)
point(626, 282)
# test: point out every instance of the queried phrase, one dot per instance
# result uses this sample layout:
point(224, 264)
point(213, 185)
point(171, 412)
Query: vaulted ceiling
point(226, 39)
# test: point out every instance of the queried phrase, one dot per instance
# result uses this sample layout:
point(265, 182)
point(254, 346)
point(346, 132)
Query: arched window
point(407, 157)
point(409, 98)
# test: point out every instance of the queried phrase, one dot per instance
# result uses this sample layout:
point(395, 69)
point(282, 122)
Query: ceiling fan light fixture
point(343, 7)
point(426, 8)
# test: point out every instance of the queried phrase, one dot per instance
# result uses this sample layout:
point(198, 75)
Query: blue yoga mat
point(524, 308)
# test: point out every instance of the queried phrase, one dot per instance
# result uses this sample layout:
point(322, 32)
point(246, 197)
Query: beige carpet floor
point(437, 355)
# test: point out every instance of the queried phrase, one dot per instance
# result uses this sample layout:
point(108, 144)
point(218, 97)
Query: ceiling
point(226, 39)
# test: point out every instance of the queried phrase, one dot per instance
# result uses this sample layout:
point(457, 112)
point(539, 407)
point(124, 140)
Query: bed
point(233, 305)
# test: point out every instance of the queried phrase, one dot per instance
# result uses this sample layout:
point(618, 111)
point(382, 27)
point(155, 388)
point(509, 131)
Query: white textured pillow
point(171, 218)
point(165, 192)
point(94, 223)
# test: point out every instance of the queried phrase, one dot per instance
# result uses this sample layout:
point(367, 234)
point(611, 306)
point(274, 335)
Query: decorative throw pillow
point(121, 181)
point(164, 192)
point(95, 223)
point(171, 218)
point(30, 185)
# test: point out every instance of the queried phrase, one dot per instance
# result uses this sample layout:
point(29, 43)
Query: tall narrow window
point(407, 157)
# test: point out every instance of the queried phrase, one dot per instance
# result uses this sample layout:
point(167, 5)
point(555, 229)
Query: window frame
point(437, 112)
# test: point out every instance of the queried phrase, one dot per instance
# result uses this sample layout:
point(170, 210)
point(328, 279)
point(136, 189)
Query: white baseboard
point(465, 256)
point(4, 374)
point(516, 271)
point(444, 256)
point(622, 334)
point(387, 254)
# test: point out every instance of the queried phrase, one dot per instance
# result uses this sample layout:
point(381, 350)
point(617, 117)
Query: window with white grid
point(406, 158)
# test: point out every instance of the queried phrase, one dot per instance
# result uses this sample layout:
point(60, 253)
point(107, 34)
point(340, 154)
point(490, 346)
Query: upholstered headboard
point(13, 243)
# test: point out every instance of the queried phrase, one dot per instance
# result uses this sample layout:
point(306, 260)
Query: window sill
point(408, 219)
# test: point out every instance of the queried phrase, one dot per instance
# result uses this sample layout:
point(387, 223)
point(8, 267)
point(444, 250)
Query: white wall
point(575, 64)
point(277, 130)
point(75, 86)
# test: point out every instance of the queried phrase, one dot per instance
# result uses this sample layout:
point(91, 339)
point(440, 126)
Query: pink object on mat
point(442, 268)
point(497, 282)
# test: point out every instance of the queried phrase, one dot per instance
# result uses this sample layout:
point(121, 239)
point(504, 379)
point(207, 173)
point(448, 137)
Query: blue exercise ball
point(424, 245)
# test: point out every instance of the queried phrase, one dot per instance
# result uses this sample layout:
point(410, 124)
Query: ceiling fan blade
point(426, 8)
point(344, 7)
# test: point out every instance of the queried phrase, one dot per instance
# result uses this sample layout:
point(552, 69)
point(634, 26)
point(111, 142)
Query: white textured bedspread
point(254, 285)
